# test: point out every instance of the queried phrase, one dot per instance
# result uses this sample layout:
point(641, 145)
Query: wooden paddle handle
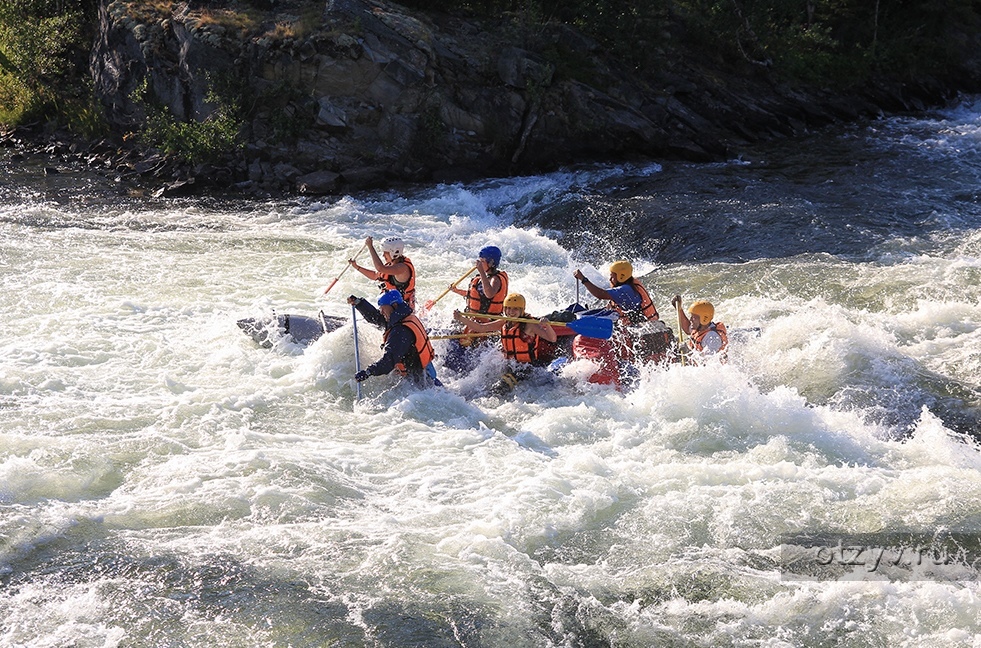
point(345, 269)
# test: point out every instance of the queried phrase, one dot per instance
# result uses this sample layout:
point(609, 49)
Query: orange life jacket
point(517, 345)
point(646, 308)
point(477, 302)
point(423, 346)
point(408, 289)
point(695, 339)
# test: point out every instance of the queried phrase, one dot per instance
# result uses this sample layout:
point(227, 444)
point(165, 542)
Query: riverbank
point(368, 93)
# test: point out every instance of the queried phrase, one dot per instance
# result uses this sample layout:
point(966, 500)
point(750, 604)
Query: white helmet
point(394, 246)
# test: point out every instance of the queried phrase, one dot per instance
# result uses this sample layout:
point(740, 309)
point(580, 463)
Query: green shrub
point(43, 60)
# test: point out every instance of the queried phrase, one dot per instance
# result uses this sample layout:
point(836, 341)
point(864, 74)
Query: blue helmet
point(491, 254)
point(390, 298)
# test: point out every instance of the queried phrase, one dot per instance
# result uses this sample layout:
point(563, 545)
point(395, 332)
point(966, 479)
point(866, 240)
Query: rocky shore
point(373, 94)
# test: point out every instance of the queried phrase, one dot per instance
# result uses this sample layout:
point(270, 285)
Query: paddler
point(393, 269)
point(485, 294)
point(706, 338)
point(525, 344)
point(487, 290)
point(406, 346)
point(640, 337)
point(625, 295)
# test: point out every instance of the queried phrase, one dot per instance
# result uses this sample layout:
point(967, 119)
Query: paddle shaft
point(338, 278)
point(527, 320)
point(357, 352)
point(595, 327)
point(447, 291)
point(681, 338)
point(457, 336)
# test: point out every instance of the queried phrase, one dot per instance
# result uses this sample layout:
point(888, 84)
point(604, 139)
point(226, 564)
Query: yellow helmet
point(622, 270)
point(514, 300)
point(705, 310)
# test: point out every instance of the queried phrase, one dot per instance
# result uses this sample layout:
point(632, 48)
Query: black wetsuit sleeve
point(370, 313)
point(400, 342)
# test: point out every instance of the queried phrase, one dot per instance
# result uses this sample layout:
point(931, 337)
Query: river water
point(164, 481)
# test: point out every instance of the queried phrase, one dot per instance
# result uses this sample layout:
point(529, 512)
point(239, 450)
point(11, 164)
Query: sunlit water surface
point(164, 481)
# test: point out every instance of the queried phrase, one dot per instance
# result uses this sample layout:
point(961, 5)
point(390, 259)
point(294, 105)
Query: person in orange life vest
point(406, 347)
point(395, 271)
point(520, 341)
point(630, 300)
point(486, 291)
point(705, 337)
point(625, 295)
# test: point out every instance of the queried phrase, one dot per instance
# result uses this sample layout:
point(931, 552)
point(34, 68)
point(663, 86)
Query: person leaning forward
point(406, 346)
point(395, 271)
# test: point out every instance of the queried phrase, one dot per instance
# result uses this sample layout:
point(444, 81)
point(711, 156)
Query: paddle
point(681, 338)
point(345, 269)
point(432, 302)
point(357, 352)
point(594, 327)
point(457, 336)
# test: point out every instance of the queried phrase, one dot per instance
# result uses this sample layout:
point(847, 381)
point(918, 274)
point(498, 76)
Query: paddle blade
point(594, 327)
point(331, 285)
point(429, 304)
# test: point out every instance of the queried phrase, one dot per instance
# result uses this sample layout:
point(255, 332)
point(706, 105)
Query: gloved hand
point(361, 376)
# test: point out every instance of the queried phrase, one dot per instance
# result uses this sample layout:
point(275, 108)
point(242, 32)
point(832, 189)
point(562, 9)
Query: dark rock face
point(378, 94)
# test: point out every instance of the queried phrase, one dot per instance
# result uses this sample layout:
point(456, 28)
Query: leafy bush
point(191, 141)
point(43, 59)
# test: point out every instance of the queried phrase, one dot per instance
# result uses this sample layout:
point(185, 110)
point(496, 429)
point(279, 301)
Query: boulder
point(318, 183)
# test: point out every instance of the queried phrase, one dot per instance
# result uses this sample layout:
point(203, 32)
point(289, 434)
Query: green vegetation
point(191, 141)
point(44, 46)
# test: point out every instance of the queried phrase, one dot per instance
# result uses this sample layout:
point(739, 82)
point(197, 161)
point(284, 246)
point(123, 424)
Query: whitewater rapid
point(164, 481)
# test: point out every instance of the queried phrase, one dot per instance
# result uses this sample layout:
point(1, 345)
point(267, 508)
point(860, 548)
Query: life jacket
point(695, 340)
point(408, 288)
point(423, 346)
point(645, 312)
point(517, 345)
point(477, 302)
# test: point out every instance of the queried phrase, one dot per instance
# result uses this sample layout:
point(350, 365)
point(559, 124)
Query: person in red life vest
point(406, 347)
point(395, 271)
point(707, 339)
point(524, 343)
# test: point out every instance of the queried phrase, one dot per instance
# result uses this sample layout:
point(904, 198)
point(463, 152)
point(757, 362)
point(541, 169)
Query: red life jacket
point(517, 345)
point(423, 346)
point(646, 308)
point(477, 302)
point(408, 289)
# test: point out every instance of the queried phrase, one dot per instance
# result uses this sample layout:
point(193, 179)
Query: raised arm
point(593, 289)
